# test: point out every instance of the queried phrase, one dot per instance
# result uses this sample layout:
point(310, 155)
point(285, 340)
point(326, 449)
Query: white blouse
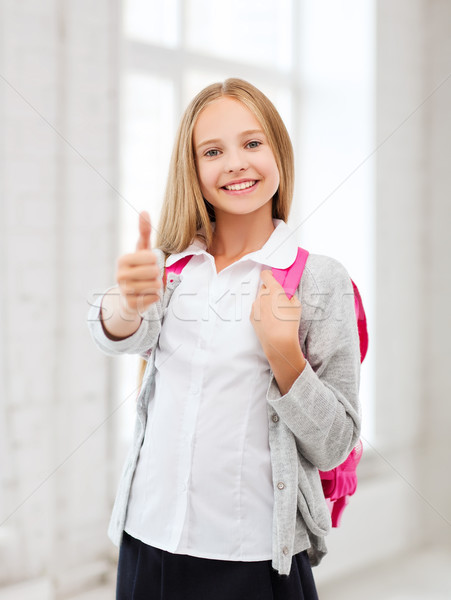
point(203, 485)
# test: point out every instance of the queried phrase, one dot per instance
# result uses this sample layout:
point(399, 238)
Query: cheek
point(272, 172)
point(207, 179)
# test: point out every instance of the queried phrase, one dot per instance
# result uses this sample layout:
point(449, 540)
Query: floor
point(423, 576)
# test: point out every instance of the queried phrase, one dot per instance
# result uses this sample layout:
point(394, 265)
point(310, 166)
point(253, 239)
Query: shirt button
point(285, 550)
point(275, 418)
point(280, 485)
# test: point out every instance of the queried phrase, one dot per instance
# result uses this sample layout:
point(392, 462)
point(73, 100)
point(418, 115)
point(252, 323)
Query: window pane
point(255, 31)
point(336, 133)
point(146, 143)
point(151, 21)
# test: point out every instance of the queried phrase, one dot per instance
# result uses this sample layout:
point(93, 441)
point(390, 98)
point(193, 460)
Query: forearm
point(286, 364)
point(118, 322)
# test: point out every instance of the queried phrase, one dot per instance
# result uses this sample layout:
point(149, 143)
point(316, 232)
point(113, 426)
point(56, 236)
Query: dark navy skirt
point(147, 573)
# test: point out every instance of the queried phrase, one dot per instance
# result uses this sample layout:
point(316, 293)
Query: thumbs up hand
point(138, 274)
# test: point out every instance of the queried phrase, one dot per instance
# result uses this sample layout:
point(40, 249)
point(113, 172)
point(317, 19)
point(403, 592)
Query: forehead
point(222, 117)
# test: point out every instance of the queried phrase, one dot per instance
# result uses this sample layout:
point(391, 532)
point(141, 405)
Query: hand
point(275, 318)
point(138, 274)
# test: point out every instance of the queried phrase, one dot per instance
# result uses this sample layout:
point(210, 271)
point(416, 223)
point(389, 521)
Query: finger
point(139, 288)
point(142, 257)
point(144, 231)
point(142, 302)
point(268, 279)
point(138, 273)
point(295, 300)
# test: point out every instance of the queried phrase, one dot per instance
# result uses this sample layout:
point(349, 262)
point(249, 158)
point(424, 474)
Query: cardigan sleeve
point(322, 407)
point(142, 340)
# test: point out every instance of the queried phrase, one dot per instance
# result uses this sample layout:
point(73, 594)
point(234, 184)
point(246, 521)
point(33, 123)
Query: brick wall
point(58, 116)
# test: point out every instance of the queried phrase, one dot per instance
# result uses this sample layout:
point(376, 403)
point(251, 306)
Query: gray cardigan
point(314, 426)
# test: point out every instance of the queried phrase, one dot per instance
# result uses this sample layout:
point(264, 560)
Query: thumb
point(268, 279)
point(144, 231)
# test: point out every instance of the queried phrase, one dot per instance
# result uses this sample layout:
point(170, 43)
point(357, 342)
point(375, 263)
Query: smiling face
point(236, 167)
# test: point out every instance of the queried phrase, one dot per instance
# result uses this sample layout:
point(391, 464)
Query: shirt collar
point(279, 251)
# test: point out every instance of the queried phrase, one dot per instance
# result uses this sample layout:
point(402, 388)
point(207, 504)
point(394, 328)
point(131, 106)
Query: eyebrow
point(242, 134)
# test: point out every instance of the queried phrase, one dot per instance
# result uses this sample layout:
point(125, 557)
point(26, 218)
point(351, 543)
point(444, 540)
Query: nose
point(236, 161)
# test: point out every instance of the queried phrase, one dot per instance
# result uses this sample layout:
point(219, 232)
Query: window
point(314, 60)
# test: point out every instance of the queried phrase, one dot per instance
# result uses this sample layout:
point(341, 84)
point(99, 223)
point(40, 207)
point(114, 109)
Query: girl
point(246, 393)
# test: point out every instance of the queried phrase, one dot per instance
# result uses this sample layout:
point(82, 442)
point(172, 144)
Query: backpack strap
point(176, 267)
point(289, 278)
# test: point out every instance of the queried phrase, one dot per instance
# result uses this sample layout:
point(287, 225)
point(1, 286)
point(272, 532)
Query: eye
point(254, 144)
point(211, 153)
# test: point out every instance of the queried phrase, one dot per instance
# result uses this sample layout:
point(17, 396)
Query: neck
point(237, 235)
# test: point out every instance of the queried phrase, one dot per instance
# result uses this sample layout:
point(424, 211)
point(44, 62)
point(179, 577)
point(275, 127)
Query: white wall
point(436, 349)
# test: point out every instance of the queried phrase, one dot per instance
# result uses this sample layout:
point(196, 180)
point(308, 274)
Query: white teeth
point(240, 186)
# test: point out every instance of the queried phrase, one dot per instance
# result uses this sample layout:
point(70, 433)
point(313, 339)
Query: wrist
point(287, 363)
point(116, 323)
point(289, 348)
point(127, 313)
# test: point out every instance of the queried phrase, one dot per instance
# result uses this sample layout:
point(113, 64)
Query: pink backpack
point(341, 482)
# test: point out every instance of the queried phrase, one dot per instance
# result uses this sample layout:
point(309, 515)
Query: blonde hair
point(184, 210)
